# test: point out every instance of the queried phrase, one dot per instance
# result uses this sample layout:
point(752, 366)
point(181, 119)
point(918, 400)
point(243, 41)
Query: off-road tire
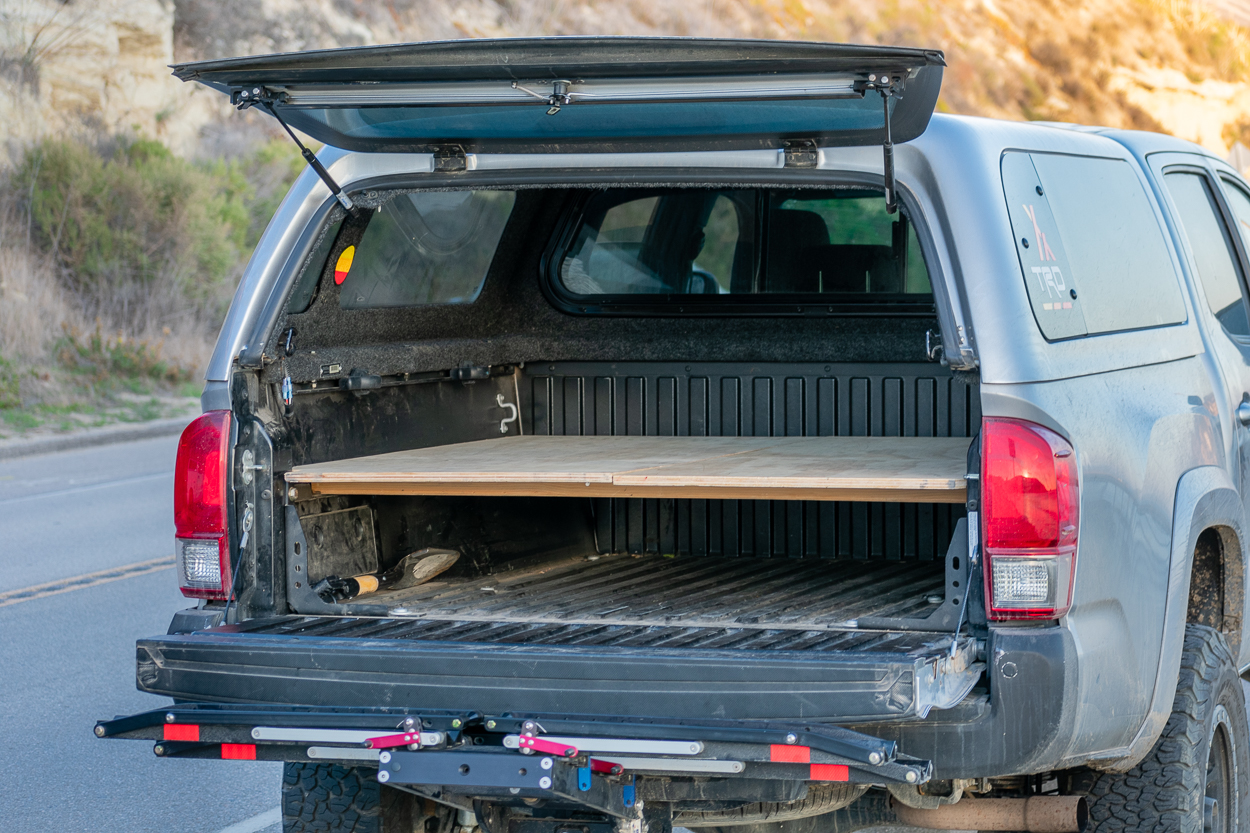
point(328, 798)
point(1165, 792)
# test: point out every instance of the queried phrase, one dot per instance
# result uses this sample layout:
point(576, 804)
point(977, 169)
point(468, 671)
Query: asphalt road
point(67, 653)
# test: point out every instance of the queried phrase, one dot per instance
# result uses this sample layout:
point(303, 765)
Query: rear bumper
point(1027, 725)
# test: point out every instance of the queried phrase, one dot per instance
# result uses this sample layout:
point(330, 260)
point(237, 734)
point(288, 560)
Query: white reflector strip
point(673, 764)
point(338, 753)
point(300, 734)
point(627, 745)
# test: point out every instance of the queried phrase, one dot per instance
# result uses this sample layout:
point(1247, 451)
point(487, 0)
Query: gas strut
point(884, 84)
point(315, 163)
point(264, 97)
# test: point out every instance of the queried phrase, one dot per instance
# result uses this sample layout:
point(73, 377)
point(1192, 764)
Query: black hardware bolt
point(1072, 292)
point(1039, 190)
point(1024, 241)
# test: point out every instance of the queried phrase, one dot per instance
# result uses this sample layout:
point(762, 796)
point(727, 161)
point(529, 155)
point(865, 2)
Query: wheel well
point(1216, 584)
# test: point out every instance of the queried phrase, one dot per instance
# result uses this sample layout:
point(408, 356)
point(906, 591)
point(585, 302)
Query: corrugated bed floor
point(704, 591)
point(662, 637)
point(625, 601)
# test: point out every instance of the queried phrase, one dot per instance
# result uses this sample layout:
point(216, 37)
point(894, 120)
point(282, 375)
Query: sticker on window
point(1048, 277)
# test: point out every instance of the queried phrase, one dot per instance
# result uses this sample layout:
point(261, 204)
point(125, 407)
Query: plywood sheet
point(904, 469)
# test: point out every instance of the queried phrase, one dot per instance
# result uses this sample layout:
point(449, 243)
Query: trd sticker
point(1043, 248)
point(1050, 279)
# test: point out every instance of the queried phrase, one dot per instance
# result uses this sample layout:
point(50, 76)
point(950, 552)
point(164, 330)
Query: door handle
point(1243, 412)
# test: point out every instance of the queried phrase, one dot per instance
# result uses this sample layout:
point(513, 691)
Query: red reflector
point(830, 772)
point(238, 751)
point(182, 731)
point(783, 754)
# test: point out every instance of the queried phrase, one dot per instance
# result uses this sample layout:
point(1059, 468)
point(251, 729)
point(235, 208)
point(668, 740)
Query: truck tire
point(329, 798)
point(1200, 757)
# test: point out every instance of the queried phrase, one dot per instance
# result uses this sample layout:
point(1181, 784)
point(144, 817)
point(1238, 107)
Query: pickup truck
point(610, 434)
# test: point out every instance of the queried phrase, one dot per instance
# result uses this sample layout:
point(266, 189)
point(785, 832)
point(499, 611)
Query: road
point(67, 653)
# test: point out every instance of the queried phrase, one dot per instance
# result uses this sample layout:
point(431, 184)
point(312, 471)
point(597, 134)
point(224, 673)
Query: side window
point(306, 285)
point(1091, 249)
point(429, 247)
point(1212, 249)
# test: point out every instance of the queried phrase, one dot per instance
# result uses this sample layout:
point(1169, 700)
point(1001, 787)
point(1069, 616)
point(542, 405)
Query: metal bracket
point(512, 409)
point(801, 153)
point(450, 159)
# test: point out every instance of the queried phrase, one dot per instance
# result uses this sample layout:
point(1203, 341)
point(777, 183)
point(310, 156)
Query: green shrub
point(10, 392)
point(102, 357)
point(140, 234)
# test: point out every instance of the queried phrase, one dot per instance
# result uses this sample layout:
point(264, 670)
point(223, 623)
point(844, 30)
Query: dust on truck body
point(616, 433)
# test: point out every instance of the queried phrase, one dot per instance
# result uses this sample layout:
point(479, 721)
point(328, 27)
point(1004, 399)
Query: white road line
point(64, 585)
point(257, 822)
point(125, 481)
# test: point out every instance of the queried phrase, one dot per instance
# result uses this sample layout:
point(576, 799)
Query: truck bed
point(782, 594)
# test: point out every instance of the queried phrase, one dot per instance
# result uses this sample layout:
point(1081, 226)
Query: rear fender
point(1205, 498)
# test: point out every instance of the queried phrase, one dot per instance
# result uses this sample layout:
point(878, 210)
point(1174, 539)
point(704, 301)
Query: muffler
point(1036, 814)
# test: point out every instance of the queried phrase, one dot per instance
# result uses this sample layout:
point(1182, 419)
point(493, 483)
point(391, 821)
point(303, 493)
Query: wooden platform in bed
point(872, 469)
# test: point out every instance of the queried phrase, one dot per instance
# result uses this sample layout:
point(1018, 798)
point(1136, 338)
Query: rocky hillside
point(1158, 64)
point(129, 201)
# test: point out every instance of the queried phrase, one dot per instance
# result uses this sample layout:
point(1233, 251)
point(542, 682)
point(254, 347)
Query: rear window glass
point(832, 246)
point(430, 247)
point(1091, 249)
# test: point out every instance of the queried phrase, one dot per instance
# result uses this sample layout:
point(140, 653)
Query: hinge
point(450, 159)
point(801, 153)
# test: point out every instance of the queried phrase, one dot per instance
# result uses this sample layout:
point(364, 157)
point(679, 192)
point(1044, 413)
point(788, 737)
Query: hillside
point(129, 201)
point(1157, 64)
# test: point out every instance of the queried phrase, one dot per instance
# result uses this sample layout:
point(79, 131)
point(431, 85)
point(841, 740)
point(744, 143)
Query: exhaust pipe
point(1037, 814)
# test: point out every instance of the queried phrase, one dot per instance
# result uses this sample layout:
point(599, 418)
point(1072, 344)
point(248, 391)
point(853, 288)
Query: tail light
point(201, 545)
point(1029, 520)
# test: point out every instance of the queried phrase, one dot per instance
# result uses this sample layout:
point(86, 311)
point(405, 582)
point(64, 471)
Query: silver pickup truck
point(613, 434)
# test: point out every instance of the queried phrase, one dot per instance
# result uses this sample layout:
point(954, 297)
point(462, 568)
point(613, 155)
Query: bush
point(10, 392)
point(144, 238)
point(103, 357)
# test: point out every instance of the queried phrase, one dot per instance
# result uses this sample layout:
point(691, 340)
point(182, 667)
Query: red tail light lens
point(201, 545)
point(1029, 519)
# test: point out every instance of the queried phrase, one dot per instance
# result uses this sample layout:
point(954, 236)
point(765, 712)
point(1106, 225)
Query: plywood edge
point(496, 489)
point(345, 477)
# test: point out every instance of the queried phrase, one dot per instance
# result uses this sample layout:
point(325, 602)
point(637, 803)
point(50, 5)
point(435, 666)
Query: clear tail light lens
point(201, 543)
point(1029, 519)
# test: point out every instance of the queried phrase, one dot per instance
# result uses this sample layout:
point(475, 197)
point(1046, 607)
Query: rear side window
point(1213, 252)
point(429, 247)
point(1091, 250)
point(660, 246)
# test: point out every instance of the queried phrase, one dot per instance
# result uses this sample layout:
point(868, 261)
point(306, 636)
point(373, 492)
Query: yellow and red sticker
point(344, 264)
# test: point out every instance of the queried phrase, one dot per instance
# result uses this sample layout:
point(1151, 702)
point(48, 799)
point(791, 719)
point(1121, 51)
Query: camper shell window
point(692, 250)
